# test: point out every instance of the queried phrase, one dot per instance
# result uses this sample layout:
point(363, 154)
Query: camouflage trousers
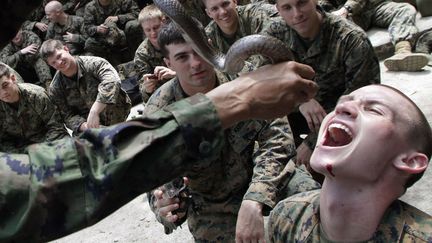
point(115, 113)
point(399, 18)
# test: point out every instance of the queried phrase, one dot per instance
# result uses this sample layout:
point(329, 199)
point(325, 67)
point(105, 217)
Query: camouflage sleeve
point(10, 56)
point(50, 33)
point(89, 26)
point(159, 99)
point(361, 63)
point(73, 122)
point(49, 114)
point(109, 87)
point(141, 60)
point(131, 11)
point(275, 148)
point(65, 185)
point(81, 37)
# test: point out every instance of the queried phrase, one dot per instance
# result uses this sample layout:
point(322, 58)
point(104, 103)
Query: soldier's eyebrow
point(180, 54)
point(345, 98)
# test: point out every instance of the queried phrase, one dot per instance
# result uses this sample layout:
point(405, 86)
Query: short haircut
point(150, 12)
point(4, 70)
point(55, 5)
point(169, 34)
point(48, 48)
point(418, 133)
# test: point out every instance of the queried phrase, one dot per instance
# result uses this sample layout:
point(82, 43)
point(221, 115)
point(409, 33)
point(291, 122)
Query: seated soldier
point(85, 89)
point(64, 27)
point(399, 18)
point(151, 69)
point(231, 22)
point(106, 24)
point(74, 7)
point(36, 21)
point(375, 145)
point(27, 115)
point(21, 55)
point(250, 167)
point(339, 52)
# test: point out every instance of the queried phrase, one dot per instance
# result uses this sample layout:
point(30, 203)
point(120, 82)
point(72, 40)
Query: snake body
point(243, 48)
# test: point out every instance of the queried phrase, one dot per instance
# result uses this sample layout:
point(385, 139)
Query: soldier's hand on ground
point(250, 223)
point(150, 82)
point(102, 29)
point(41, 26)
point(111, 19)
point(314, 114)
point(93, 120)
point(69, 37)
point(165, 205)
point(303, 155)
point(31, 49)
point(164, 73)
point(342, 12)
point(83, 127)
point(270, 91)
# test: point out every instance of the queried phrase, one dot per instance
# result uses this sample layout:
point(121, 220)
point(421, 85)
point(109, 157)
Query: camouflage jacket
point(239, 173)
point(96, 80)
point(16, 130)
point(74, 25)
point(95, 14)
point(296, 219)
point(341, 55)
point(12, 56)
point(147, 57)
point(59, 187)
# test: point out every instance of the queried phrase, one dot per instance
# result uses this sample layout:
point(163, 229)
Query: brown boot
point(405, 60)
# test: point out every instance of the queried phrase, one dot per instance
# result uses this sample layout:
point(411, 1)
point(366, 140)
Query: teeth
point(340, 126)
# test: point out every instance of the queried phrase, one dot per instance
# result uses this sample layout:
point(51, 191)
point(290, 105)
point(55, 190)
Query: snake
point(233, 61)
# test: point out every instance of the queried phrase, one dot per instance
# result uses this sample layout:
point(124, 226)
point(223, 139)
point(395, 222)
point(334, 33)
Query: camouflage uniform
point(147, 57)
point(297, 219)
point(62, 186)
point(18, 77)
point(195, 8)
point(16, 130)
point(69, 6)
point(341, 55)
point(12, 56)
point(37, 15)
point(95, 15)
point(251, 20)
point(240, 173)
point(73, 25)
point(399, 18)
point(96, 80)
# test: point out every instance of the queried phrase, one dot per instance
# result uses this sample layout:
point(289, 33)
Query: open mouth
point(337, 135)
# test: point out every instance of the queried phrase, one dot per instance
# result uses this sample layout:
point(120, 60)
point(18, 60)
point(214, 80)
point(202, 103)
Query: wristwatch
point(348, 8)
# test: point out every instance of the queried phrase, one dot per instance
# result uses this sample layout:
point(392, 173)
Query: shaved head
point(53, 6)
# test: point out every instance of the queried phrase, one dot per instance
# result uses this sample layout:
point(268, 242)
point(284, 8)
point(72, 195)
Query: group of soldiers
point(93, 46)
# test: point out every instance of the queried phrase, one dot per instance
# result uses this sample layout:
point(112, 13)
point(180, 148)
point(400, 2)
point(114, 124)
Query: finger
point(303, 70)
point(158, 194)
point(163, 211)
point(172, 218)
point(309, 121)
point(315, 122)
point(307, 90)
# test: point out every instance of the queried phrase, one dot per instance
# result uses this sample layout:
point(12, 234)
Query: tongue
point(339, 137)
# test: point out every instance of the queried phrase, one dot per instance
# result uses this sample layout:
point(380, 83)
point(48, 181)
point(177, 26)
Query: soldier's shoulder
point(345, 27)
point(144, 47)
point(417, 222)
point(32, 92)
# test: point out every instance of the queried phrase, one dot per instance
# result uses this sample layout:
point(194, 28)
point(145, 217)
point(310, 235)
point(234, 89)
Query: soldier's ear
point(167, 62)
point(13, 78)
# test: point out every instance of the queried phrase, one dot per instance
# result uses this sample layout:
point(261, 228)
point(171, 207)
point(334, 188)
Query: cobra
point(233, 61)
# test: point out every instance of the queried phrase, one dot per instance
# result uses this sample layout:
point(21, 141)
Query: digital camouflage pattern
point(399, 18)
point(96, 80)
point(251, 20)
point(73, 25)
point(16, 132)
point(239, 173)
point(341, 55)
point(12, 56)
point(59, 187)
point(147, 57)
point(296, 219)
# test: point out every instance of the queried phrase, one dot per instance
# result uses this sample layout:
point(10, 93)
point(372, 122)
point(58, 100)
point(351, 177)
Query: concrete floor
point(136, 223)
point(418, 86)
